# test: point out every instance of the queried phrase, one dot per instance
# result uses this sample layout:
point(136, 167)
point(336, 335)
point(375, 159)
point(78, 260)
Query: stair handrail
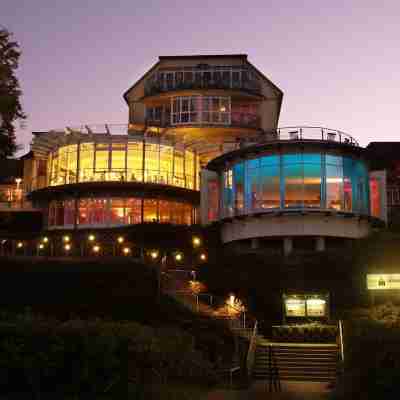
point(340, 324)
point(252, 350)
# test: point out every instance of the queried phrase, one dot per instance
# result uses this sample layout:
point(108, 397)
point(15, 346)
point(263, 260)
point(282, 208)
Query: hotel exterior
point(204, 124)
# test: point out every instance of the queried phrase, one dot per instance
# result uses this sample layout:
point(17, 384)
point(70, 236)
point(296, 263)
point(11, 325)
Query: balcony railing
point(229, 77)
point(237, 119)
point(129, 175)
point(300, 133)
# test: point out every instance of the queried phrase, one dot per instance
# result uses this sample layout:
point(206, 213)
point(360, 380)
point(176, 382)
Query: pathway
point(290, 391)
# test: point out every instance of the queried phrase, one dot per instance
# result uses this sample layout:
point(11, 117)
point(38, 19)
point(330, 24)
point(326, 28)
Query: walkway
point(290, 391)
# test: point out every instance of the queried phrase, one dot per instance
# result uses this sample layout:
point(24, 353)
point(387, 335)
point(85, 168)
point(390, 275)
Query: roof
point(384, 154)
point(211, 56)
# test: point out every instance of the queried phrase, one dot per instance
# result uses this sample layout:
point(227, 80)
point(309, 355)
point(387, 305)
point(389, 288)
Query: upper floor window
point(201, 110)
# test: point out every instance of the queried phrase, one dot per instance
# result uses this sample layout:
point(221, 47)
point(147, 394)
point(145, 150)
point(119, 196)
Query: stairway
point(297, 362)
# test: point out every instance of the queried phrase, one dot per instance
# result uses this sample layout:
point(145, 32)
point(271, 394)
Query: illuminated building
point(293, 184)
point(183, 112)
point(186, 113)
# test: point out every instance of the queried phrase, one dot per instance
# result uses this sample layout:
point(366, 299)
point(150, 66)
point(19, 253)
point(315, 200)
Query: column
point(320, 243)
point(287, 245)
point(255, 243)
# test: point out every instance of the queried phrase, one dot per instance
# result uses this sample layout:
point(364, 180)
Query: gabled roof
point(211, 56)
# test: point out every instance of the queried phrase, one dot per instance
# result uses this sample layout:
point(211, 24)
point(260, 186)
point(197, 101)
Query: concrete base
point(286, 226)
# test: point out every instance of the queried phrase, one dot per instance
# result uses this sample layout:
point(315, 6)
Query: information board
point(295, 307)
point(316, 308)
point(383, 281)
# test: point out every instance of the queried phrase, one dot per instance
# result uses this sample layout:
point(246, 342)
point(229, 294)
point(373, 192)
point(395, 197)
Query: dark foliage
point(10, 93)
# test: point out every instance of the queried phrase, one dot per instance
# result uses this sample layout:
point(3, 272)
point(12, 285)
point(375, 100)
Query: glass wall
point(201, 110)
point(296, 181)
point(117, 211)
point(137, 161)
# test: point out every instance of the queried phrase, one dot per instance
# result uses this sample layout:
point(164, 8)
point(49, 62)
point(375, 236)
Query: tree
point(10, 93)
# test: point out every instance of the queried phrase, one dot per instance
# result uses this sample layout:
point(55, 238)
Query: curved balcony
point(203, 77)
point(232, 119)
point(76, 157)
point(310, 133)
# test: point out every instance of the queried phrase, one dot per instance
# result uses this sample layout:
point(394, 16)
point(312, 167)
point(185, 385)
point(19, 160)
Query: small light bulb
point(67, 247)
point(120, 239)
point(96, 248)
point(66, 239)
point(196, 241)
point(126, 250)
point(45, 239)
point(91, 238)
point(41, 246)
point(178, 257)
point(20, 244)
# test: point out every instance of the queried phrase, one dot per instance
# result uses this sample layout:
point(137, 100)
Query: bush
point(372, 355)
point(313, 332)
point(93, 358)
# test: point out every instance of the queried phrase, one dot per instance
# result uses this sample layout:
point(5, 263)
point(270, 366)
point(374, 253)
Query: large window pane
point(117, 211)
point(134, 211)
point(118, 162)
point(152, 168)
point(101, 164)
point(312, 185)
point(150, 210)
point(69, 212)
point(293, 178)
point(86, 161)
point(334, 187)
point(97, 210)
point(83, 215)
point(269, 190)
point(228, 193)
point(135, 161)
point(238, 182)
point(348, 171)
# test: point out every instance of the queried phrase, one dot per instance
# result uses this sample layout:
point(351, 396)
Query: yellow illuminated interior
point(132, 161)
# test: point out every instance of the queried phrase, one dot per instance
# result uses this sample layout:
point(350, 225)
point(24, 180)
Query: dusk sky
point(338, 63)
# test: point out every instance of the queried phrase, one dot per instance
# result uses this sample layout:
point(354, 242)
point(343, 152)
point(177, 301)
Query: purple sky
point(337, 62)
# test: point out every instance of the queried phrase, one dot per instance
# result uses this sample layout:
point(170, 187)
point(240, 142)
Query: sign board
point(316, 307)
point(383, 281)
point(306, 305)
point(295, 307)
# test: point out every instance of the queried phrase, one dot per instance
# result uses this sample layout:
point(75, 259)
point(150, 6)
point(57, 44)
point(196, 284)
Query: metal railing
point(310, 133)
point(252, 350)
point(208, 77)
point(233, 118)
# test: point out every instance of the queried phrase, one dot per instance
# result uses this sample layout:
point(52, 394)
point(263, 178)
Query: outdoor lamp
point(91, 238)
point(178, 257)
point(126, 250)
point(154, 254)
point(66, 239)
point(196, 241)
point(67, 247)
point(203, 257)
point(120, 239)
point(20, 245)
point(45, 239)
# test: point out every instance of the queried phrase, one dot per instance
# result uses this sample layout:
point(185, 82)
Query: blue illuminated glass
point(291, 159)
point(269, 160)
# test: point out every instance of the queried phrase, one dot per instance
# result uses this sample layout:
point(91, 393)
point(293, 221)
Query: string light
point(196, 241)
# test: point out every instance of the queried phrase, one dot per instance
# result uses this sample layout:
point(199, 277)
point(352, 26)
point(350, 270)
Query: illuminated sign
point(295, 307)
point(316, 307)
point(306, 305)
point(383, 281)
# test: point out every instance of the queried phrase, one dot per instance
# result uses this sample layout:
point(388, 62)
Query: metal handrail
point(252, 350)
point(341, 353)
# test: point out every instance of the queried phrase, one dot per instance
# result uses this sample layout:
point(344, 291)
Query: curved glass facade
point(296, 181)
point(118, 211)
point(129, 161)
